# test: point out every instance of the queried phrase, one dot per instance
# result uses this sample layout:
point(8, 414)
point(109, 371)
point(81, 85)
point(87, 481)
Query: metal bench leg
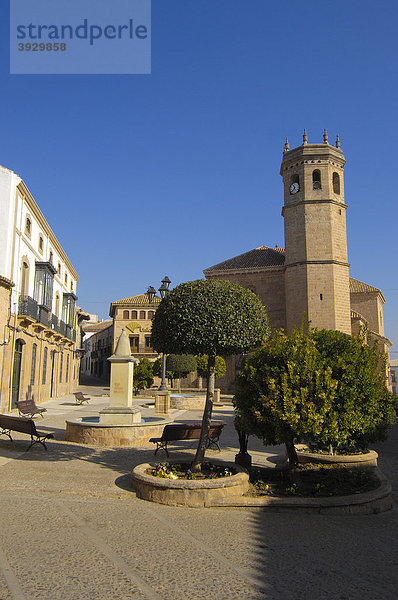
point(161, 446)
point(6, 432)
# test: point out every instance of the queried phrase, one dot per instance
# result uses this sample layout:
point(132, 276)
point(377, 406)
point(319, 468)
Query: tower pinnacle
point(305, 137)
point(286, 146)
point(338, 141)
point(325, 136)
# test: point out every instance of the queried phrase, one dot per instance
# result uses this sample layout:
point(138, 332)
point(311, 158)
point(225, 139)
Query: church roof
point(260, 257)
point(359, 287)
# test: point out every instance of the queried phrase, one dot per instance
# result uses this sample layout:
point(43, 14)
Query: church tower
point(316, 278)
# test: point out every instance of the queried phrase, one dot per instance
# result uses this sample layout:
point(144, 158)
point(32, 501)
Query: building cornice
point(7, 283)
point(35, 210)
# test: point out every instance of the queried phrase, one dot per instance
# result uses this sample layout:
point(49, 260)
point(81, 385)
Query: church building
point(308, 280)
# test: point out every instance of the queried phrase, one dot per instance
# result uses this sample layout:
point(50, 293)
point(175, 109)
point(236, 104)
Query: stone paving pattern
point(71, 527)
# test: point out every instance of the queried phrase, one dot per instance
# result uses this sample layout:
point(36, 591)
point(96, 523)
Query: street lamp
point(163, 290)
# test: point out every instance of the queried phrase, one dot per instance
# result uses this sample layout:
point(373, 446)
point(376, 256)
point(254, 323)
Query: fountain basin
point(88, 430)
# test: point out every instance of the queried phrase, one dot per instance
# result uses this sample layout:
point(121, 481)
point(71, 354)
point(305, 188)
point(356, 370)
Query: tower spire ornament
point(305, 137)
point(325, 136)
point(286, 146)
point(338, 141)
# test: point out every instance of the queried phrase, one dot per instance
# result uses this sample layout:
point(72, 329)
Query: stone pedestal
point(162, 403)
point(217, 395)
point(120, 410)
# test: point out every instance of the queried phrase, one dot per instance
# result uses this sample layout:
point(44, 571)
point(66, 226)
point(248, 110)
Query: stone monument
point(120, 410)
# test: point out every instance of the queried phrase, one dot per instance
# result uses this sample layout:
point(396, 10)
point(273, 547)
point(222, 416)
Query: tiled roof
point(358, 287)
point(140, 300)
point(99, 326)
point(254, 259)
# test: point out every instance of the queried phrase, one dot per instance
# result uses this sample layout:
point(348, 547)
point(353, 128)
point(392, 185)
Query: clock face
point(294, 188)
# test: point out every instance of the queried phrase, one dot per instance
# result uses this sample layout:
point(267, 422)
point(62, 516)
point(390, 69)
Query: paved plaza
point(71, 527)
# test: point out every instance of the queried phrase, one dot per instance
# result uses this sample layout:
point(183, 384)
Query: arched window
point(316, 179)
point(336, 183)
point(66, 278)
point(51, 257)
point(33, 366)
point(151, 314)
point(41, 243)
point(59, 269)
point(28, 226)
point(126, 314)
point(67, 368)
point(134, 314)
point(295, 179)
point(25, 278)
point(57, 304)
point(142, 314)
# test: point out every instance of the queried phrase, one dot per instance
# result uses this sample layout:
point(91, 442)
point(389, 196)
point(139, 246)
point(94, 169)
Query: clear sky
point(142, 176)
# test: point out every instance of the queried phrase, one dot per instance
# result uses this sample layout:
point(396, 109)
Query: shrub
point(325, 388)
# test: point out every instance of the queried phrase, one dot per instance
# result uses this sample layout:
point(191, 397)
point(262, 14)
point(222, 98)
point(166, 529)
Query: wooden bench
point(80, 398)
point(28, 407)
point(188, 431)
point(22, 425)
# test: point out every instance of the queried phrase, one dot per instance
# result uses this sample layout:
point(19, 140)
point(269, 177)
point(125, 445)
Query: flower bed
point(158, 483)
point(312, 480)
point(361, 460)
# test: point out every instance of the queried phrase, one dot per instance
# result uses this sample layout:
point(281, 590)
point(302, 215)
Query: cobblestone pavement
point(71, 527)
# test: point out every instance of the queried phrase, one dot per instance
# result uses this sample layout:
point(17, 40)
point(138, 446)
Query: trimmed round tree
point(202, 363)
point(142, 375)
point(179, 365)
point(325, 388)
point(209, 317)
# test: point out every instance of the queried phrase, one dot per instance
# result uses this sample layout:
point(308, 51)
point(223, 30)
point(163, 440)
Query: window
point(25, 278)
point(44, 280)
point(295, 179)
point(142, 314)
point(316, 179)
point(28, 226)
point(33, 366)
point(151, 314)
point(126, 314)
point(61, 364)
point(44, 366)
point(57, 305)
point(41, 244)
point(51, 257)
point(336, 183)
point(71, 286)
point(134, 343)
point(148, 342)
point(59, 269)
point(68, 309)
point(134, 314)
point(66, 278)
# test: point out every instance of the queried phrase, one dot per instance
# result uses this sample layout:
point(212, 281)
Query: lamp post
point(163, 290)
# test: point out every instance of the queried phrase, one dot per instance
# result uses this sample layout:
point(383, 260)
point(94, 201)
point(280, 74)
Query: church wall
point(296, 296)
point(370, 306)
point(268, 286)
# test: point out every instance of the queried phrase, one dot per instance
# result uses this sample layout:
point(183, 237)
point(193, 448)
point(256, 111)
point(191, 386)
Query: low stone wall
point(188, 402)
point(343, 460)
point(134, 436)
point(191, 493)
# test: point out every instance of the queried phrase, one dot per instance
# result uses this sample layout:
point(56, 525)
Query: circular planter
point(369, 459)
point(184, 492)
point(98, 434)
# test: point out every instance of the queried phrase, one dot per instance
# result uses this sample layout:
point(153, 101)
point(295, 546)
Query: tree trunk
point(204, 435)
point(291, 453)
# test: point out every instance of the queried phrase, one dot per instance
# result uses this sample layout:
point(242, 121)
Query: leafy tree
point(325, 387)
point(202, 366)
point(179, 365)
point(143, 375)
point(209, 317)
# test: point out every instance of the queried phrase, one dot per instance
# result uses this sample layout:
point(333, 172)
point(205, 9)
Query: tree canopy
point(325, 388)
point(143, 375)
point(202, 362)
point(209, 317)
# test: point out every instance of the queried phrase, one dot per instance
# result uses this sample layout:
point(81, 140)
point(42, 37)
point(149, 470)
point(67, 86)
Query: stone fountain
point(120, 423)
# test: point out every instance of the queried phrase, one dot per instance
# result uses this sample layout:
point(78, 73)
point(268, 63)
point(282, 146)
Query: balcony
point(27, 307)
point(29, 311)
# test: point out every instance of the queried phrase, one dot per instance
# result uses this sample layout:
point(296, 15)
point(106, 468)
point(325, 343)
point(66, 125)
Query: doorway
point(16, 373)
point(52, 385)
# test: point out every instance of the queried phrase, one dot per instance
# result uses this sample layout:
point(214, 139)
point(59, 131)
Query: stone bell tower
point(316, 278)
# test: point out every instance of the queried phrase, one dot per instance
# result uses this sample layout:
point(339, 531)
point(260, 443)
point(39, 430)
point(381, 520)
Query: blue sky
point(142, 176)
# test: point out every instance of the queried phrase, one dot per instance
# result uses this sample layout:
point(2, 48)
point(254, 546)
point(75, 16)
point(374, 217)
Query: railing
point(29, 307)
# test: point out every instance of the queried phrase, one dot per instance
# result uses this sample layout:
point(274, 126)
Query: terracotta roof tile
point(358, 287)
point(140, 300)
point(263, 256)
